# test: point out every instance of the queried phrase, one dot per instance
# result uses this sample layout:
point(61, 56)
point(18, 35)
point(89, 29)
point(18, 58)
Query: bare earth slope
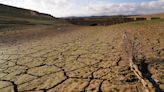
point(75, 59)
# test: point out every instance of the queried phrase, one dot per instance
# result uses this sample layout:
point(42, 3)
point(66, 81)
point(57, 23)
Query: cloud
point(64, 8)
point(126, 8)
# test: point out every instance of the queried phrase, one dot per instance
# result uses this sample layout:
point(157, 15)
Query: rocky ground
point(77, 59)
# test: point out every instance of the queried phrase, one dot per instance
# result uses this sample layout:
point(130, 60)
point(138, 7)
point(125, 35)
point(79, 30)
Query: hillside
point(24, 13)
point(13, 15)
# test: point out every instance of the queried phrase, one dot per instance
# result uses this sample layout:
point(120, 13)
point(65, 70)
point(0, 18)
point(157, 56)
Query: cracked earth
point(79, 59)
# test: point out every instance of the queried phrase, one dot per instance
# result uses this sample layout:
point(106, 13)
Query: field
point(61, 57)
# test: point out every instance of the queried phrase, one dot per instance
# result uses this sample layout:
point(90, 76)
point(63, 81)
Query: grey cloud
point(126, 8)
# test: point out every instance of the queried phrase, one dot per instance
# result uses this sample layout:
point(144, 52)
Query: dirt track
point(67, 60)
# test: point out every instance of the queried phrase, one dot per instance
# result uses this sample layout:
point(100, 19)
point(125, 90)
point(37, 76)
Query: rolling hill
point(14, 15)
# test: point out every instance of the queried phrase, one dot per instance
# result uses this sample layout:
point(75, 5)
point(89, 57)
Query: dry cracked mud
point(74, 59)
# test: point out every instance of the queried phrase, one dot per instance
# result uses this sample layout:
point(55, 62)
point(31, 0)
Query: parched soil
point(77, 59)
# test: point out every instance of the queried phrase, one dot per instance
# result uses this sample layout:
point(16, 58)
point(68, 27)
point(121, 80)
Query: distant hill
point(111, 20)
point(159, 15)
point(14, 15)
point(99, 20)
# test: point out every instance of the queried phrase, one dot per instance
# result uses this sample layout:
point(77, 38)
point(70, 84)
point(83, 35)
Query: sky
point(67, 8)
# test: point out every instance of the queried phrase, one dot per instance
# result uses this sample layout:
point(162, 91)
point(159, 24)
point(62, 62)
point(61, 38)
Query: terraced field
point(47, 58)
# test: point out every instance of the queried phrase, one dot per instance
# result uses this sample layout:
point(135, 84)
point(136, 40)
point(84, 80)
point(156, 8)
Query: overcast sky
point(65, 8)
